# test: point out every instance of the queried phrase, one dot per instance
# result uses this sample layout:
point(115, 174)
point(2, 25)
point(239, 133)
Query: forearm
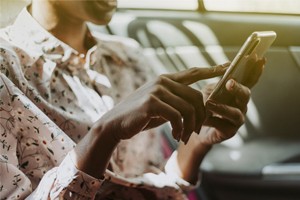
point(189, 158)
point(92, 154)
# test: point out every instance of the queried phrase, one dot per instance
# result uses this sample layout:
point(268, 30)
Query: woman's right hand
point(166, 98)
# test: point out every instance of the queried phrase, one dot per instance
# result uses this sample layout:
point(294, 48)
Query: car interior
point(262, 161)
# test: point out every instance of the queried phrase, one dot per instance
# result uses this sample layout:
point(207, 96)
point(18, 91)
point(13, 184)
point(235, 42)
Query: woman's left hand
point(227, 119)
point(220, 126)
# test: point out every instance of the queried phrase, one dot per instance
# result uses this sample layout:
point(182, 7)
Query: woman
point(67, 83)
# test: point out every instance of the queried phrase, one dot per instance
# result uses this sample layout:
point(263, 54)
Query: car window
point(159, 4)
point(262, 6)
point(9, 10)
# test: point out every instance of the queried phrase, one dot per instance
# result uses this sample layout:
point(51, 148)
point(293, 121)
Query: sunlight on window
point(159, 4)
point(9, 10)
point(264, 6)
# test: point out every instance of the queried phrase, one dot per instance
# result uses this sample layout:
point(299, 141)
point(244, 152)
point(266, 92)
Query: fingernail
point(231, 84)
point(179, 135)
point(187, 139)
point(211, 104)
point(226, 64)
point(199, 130)
point(265, 60)
point(199, 127)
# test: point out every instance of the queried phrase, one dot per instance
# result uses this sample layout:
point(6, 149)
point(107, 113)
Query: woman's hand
point(166, 98)
point(217, 127)
point(227, 119)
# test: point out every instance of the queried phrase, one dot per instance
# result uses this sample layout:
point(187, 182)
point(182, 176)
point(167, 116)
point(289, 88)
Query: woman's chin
point(107, 5)
point(102, 19)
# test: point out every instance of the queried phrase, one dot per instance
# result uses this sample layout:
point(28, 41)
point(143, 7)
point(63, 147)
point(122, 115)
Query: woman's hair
point(9, 9)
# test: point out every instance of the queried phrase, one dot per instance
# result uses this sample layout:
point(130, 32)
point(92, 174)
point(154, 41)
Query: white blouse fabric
point(50, 97)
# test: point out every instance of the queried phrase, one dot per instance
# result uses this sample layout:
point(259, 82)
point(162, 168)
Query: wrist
point(201, 149)
point(198, 148)
point(190, 157)
point(102, 132)
point(92, 154)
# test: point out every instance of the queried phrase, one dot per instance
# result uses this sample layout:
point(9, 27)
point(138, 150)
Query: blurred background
point(264, 6)
point(10, 8)
point(262, 161)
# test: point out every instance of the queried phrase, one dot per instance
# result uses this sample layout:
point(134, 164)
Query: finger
point(240, 92)
point(232, 114)
point(195, 74)
point(195, 98)
point(255, 73)
point(154, 122)
point(159, 109)
point(188, 95)
point(186, 110)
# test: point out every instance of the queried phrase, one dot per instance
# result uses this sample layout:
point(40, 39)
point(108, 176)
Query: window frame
point(164, 9)
point(202, 9)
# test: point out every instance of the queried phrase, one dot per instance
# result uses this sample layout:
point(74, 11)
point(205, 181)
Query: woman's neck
point(69, 30)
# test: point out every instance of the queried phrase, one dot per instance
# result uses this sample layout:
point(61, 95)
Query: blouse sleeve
point(171, 167)
point(32, 147)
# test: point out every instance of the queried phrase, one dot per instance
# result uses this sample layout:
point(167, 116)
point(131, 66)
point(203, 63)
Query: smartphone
point(253, 49)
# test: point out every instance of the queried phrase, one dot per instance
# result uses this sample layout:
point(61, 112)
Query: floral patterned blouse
point(50, 97)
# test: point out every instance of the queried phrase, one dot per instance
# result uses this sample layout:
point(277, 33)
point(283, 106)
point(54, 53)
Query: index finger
point(195, 74)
